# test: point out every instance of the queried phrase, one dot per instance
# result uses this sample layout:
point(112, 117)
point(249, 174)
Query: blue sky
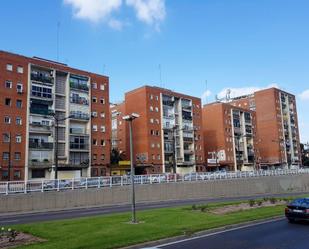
point(239, 44)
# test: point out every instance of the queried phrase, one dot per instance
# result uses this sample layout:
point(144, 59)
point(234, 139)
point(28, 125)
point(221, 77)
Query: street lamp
point(130, 118)
point(57, 120)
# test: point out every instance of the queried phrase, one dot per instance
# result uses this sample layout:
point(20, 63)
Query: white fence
point(14, 187)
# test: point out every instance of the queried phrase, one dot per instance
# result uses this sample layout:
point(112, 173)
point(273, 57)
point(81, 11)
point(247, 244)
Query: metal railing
point(15, 187)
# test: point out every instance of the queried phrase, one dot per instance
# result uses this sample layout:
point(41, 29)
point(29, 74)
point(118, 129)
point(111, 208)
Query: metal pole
point(9, 163)
point(132, 174)
point(174, 149)
point(238, 152)
point(56, 149)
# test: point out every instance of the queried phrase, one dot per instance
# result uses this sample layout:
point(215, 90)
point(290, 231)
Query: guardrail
point(15, 187)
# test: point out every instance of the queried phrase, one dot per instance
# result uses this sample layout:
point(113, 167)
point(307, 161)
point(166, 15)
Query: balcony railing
point(41, 111)
point(79, 115)
point(39, 163)
point(79, 131)
point(79, 86)
point(41, 145)
point(79, 146)
point(79, 101)
point(42, 77)
point(38, 127)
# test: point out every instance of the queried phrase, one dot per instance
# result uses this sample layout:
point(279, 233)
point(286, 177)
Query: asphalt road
point(277, 234)
point(11, 219)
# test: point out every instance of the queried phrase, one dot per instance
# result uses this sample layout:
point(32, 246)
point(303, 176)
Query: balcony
point(42, 77)
point(40, 164)
point(79, 131)
point(79, 146)
point(79, 86)
point(79, 163)
point(188, 151)
point(79, 116)
point(41, 145)
point(39, 128)
point(79, 100)
point(41, 111)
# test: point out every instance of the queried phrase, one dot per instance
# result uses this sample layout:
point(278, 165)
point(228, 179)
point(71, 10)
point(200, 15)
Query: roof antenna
point(58, 28)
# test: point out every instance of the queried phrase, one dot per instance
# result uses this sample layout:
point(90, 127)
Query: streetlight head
point(135, 115)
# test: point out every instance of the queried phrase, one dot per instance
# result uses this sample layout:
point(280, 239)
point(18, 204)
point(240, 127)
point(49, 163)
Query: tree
point(304, 154)
point(115, 156)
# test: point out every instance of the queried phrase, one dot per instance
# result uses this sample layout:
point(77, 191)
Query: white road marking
point(219, 232)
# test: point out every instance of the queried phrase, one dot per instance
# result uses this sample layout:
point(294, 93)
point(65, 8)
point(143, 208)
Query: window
point(19, 87)
point(39, 91)
point(94, 156)
point(102, 142)
point(17, 174)
point(158, 145)
point(151, 120)
point(18, 121)
point(157, 109)
point(19, 103)
point(102, 87)
point(20, 69)
point(159, 157)
point(151, 96)
point(94, 141)
point(157, 121)
point(18, 139)
point(102, 156)
point(151, 108)
point(38, 173)
point(157, 98)
point(94, 100)
point(6, 137)
point(5, 155)
point(153, 157)
point(94, 85)
point(5, 174)
point(9, 67)
point(8, 101)
point(102, 101)
point(102, 114)
point(95, 128)
point(102, 128)
point(8, 84)
point(7, 120)
point(152, 145)
point(94, 114)
point(17, 156)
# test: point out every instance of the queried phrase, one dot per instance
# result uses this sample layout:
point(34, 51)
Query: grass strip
point(114, 231)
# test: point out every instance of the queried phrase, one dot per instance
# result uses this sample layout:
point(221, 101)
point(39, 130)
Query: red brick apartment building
point(229, 137)
point(277, 126)
point(34, 92)
point(167, 137)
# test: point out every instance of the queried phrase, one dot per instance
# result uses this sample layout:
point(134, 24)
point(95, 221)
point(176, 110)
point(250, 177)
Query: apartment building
point(277, 126)
point(43, 102)
point(167, 137)
point(229, 137)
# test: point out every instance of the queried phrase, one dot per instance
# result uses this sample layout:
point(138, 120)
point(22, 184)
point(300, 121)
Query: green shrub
point(251, 203)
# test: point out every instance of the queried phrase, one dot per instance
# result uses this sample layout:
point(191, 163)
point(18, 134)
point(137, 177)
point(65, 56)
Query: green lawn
point(112, 231)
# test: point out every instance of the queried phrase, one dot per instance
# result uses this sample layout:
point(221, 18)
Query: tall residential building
point(277, 126)
point(167, 137)
point(229, 137)
point(35, 92)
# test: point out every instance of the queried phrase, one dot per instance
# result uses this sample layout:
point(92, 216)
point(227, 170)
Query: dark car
point(298, 210)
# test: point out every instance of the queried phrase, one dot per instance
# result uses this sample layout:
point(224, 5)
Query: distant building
point(167, 137)
point(33, 91)
point(229, 137)
point(277, 126)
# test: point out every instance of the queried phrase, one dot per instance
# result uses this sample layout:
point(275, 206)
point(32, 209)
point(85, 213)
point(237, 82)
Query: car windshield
point(301, 202)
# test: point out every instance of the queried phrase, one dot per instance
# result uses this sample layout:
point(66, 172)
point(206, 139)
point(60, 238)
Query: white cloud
point(151, 12)
point(115, 24)
point(94, 10)
point(236, 92)
point(304, 95)
point(205, 95)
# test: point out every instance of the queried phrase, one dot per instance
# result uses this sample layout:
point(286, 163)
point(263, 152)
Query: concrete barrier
point(35, 202)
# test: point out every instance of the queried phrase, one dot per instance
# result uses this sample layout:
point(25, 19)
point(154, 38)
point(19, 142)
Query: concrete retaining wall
point(156, 192)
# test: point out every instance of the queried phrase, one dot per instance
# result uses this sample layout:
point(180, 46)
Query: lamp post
point(57, 120)
point(130, 118)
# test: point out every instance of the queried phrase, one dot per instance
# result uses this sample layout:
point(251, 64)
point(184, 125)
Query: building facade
point(229, 138)
point(277, 126)
point(167, 137)
point(51, 110)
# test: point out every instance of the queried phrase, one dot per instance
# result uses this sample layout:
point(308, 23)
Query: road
point(277, 234)
point(11, 219)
